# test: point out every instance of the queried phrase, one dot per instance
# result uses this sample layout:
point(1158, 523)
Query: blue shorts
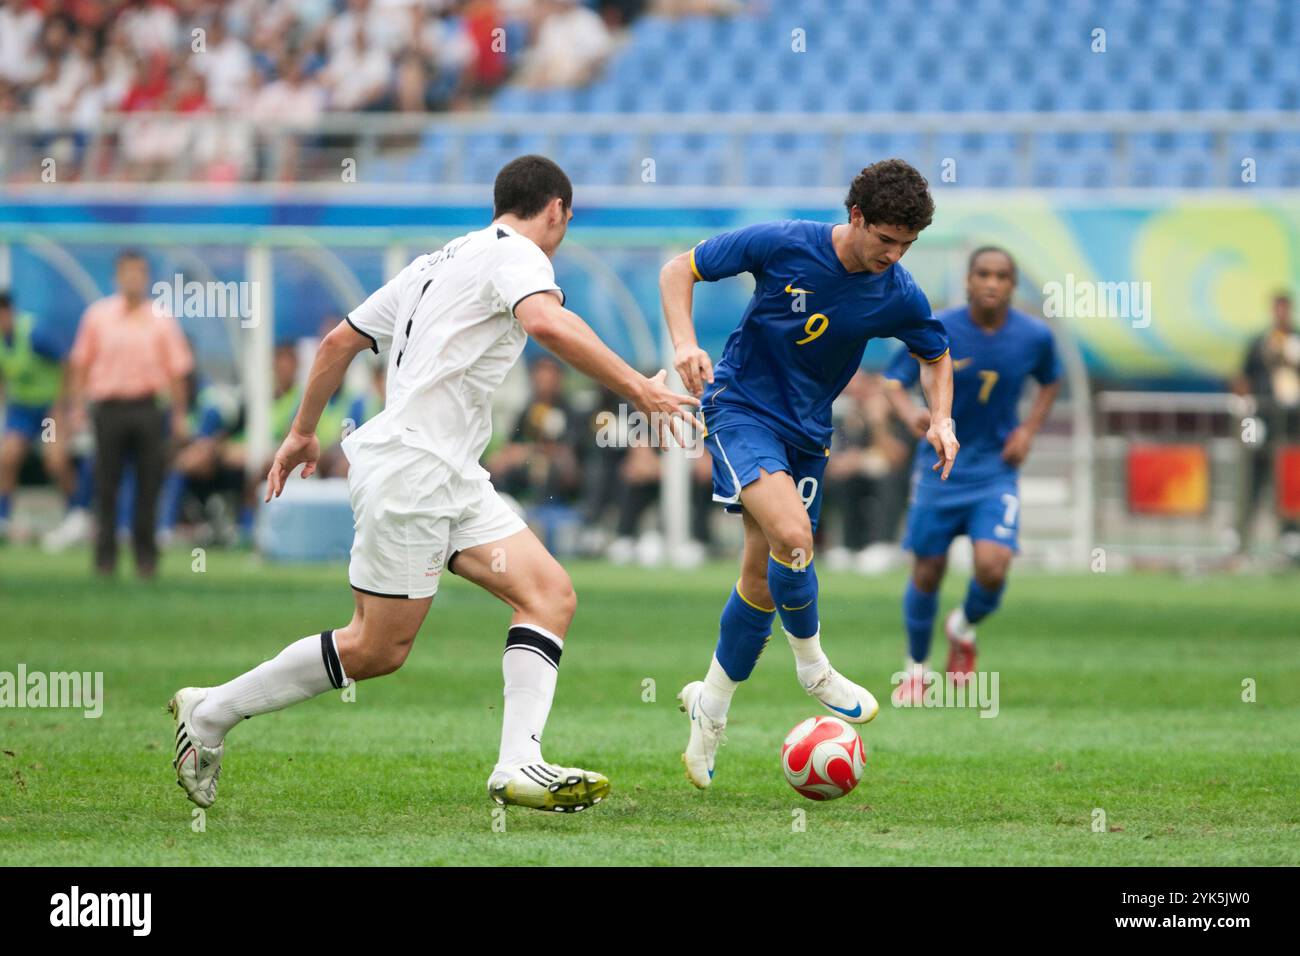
point(740, 449)
point(987, 512)
point(25, 420)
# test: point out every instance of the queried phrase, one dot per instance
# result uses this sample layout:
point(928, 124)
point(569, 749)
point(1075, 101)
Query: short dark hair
point(129, 255)
point(892, 193)
point(525, 185)
point(970, 263)
point(6, 299)
point(1282, 296)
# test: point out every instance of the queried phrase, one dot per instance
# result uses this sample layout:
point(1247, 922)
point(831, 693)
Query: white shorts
point(411, 513)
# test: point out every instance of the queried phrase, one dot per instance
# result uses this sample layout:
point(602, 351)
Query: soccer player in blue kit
point(821, 291)
point(995, 349)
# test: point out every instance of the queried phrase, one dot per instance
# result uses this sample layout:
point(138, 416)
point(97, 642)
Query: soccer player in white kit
point(454, 322)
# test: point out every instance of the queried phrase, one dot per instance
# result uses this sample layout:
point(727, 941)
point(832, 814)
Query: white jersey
point(448, 323)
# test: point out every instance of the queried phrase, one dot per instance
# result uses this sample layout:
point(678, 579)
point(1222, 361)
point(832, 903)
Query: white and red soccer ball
point(823, 758)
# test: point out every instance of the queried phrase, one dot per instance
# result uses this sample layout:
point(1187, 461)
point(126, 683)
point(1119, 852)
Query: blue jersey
point(804, 331)
point(989, 372)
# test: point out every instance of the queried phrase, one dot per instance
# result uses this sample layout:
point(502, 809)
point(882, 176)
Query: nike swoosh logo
point(786, 607)
point(855, 712)
point(794, 291)
point(535, 738)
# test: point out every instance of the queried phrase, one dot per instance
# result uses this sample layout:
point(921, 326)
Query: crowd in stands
point(280, 63)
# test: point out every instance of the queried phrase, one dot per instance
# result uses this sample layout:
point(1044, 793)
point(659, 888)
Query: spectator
point(382, 26)
point(226, 65)
point(357, 75)
point(1271, 376)
point(571, 46)
point(30, 373)
point(151, 26)
point(128, 353)
point(867, 476)
point(20, 29)
point(540, 461)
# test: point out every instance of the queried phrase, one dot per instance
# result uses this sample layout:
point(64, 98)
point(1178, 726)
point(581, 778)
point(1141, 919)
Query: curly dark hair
point(892, 193)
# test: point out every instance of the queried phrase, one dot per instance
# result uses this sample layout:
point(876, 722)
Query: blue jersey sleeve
point(731, 253)
point(1048, 368)
point(903, 369)
point(919, 330)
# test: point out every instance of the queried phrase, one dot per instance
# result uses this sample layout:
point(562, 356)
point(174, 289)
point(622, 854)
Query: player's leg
point(375, 642)
point(520, 571)
point(743, 632)
point(393, 585)
point(993, 531)
point(920, 607)
point(933, 520)
point(13, 449)
point(787, 519)
point(58, 465)
point(983, 595)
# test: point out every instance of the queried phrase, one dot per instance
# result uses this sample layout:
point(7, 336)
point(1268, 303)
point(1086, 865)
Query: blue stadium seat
point(945, 56)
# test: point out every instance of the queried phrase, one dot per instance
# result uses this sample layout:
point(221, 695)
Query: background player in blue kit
point(994, 350)
point(821, 291)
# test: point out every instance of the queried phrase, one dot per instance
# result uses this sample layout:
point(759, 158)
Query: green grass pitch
point(1118, 692)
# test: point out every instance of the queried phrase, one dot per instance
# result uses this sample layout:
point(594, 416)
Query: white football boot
point(706, 735)
point(548, 786)
point(843, 697)
point(198, 766)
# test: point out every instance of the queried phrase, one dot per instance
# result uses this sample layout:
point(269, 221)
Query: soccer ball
point(823, 758)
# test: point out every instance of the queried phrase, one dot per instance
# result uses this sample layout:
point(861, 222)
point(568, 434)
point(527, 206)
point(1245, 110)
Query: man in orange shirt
point(129, 351)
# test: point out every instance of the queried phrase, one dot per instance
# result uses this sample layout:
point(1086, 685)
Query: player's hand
point(693, 365)
point(1016, 447)
point(942, 436)
point(297, 449)
point(663, 407)
point(919, 422)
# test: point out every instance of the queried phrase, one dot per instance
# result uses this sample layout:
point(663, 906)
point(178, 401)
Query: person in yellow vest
point(31, 373)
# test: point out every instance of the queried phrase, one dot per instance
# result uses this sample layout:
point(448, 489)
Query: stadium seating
point(945, 57)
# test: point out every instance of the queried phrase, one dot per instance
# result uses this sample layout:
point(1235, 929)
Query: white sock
point(530, 665)
point(961, 627)
point(809, 660)
point(300, 672)
point(915, 667)
point(715, 700)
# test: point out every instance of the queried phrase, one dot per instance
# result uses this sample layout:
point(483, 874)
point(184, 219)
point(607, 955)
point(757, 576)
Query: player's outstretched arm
point(936, 382)
point(1016, 447)
point(300, 446)
point(915, 417)
point(676, 290)
point(573, 341)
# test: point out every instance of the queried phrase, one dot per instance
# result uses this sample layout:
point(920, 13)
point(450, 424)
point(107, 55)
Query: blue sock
point(742, 636)
point(173, 490)
point(4, 507)
point(980, 603)
point(85, 486)
point(795, 595)
point(919, 610)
